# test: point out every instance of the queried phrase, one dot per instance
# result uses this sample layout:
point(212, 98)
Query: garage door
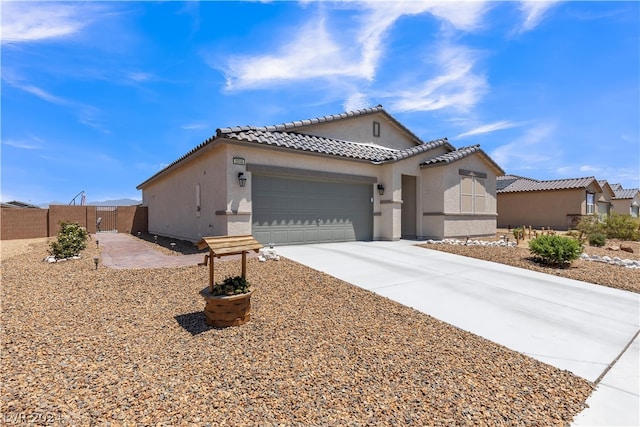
point(294, 211)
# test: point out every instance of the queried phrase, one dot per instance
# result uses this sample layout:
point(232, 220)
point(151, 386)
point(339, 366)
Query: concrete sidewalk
point(572, 325)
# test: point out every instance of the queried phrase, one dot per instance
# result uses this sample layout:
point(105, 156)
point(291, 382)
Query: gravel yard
point(130, 347)
point(599, 273)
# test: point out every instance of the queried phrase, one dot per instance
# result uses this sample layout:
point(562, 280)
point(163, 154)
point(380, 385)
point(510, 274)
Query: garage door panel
point(292, 211)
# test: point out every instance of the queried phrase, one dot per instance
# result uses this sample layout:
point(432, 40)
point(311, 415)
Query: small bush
point(589, 225)
point(597, 239)
point(231, 286)
point(555, 250)
point(72, 238)
point(625, 227)
point(518, 233)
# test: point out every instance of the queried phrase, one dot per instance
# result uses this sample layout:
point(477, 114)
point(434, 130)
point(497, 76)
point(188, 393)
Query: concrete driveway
point(572, 325)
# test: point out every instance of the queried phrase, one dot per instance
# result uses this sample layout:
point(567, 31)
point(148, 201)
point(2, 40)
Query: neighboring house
point(360, 175)
point(605, 198)
point(626, 201)
point(19, 205)
point(558, 203)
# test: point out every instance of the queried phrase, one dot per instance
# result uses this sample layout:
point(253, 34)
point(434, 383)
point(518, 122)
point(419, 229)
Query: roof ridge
point(568, 179)
point(305, 122)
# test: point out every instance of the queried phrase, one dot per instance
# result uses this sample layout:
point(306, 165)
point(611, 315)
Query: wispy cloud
point(139, 76)
point(611, 174)
point(530, 148)
point(533, 13)
point(356, 101)
point(315, 52)
point(30, 21)
point(195, 126)
point(489, 127)
point(312, 53)
point(32, 144)
point(44, 95)
point(86, 114)
point(455, 85)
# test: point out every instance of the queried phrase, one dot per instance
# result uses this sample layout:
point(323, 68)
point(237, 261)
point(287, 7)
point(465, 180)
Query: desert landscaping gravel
point(598, 273)
point(82, 346)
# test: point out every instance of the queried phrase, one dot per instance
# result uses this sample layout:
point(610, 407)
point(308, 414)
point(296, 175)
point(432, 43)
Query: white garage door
point(295, 211)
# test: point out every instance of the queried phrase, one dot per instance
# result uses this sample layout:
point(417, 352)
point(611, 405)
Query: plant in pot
point(228, 303)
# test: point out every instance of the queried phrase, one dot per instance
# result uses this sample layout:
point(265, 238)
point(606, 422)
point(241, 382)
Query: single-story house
point(557, 203)
point(16, 204)
point(626, 201)
point(359, 175)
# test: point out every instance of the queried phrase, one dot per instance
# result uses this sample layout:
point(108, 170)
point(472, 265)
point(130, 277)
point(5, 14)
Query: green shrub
point(597, 239)
point(231, 286)
point(625, 227)
point(72, 238)
point(555, 250)
point(518, 233)
point(589, 225)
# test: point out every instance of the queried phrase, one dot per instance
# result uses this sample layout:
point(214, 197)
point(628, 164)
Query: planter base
point(223, 311)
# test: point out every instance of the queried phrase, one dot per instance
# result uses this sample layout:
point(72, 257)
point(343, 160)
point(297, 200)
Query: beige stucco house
point(558, 203)
point(626, 201)
point(360, 175)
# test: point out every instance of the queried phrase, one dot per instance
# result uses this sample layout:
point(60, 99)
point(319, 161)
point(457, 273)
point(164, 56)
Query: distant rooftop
point(19, 205)
point(520, 184)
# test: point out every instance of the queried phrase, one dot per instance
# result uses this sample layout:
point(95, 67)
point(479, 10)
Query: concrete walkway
point(123, 251)
point(589, 330)
point(586, 329)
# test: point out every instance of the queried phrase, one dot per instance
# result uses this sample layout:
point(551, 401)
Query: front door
point(409, 208)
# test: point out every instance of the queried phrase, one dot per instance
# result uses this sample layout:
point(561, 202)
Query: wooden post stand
point(220, 310)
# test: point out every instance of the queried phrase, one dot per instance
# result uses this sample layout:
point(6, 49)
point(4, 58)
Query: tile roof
point(525, 184)
point(452, 156)
point(285, 136)
point(18, 204)
point(458, 154)
point(324, 119)
point(628, 193)
point(317, 144)
point(506, 180)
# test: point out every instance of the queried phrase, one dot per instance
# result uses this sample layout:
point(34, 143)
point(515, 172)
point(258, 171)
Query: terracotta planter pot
point(223, 311)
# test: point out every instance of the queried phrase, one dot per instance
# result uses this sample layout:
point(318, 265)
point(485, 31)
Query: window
point(472, 194)
point(591, 202)
point(198, 200)
point(376, 129)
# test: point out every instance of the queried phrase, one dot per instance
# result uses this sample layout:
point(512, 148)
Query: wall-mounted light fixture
point(241, 179)
point(380, 189)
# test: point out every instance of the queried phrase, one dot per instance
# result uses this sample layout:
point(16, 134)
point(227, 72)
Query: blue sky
point(99, 96)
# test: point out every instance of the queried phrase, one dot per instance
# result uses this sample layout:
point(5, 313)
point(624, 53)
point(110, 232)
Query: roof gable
point(321, 145)
point(459, 154)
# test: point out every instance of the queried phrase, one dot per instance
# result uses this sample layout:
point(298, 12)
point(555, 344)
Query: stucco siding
point(540, 208)
point(461, 226)
point(172, 199)
point(441, 201)
point(360, 129)
point(625, 206)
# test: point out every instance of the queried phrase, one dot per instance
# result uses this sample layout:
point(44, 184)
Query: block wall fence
point(34, 223)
